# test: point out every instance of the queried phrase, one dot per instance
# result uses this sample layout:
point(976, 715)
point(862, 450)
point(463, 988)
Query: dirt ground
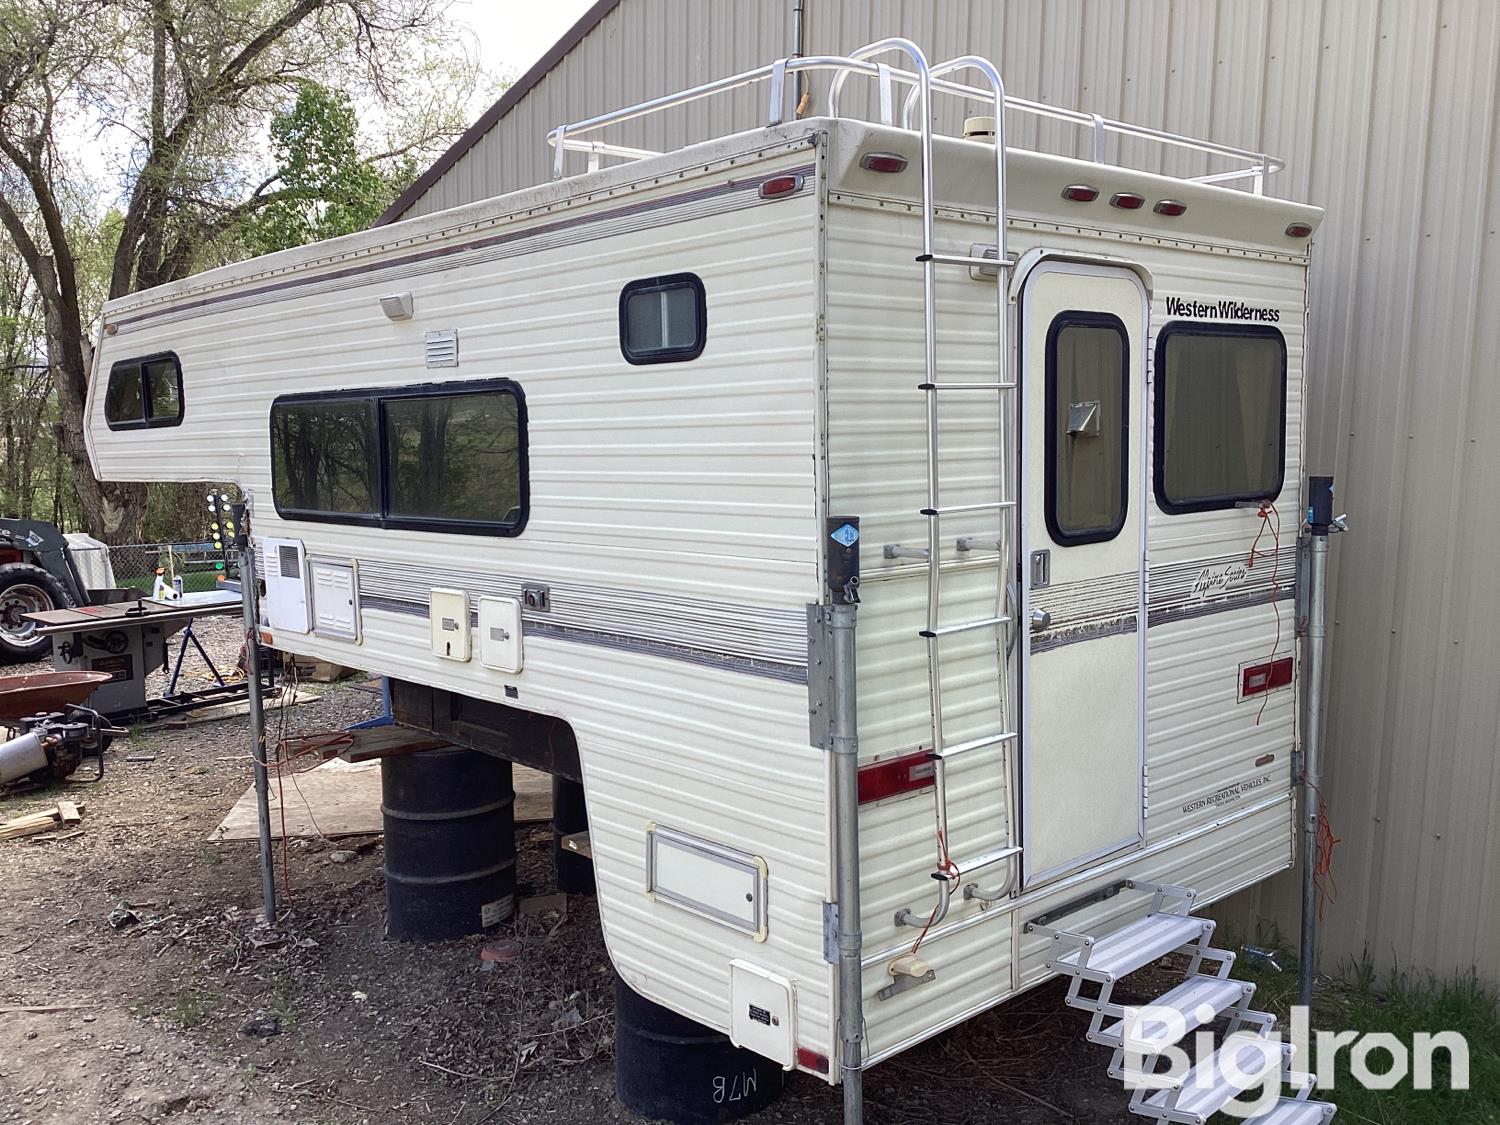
point(194, 1012)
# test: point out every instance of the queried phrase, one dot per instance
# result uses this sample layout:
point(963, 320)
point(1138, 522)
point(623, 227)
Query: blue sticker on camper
point(846, 536)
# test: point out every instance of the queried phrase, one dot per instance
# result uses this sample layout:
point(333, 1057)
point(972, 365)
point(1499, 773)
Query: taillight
point(882, 162)
point(1127, 201)
point(906, 774)
point(812, 1060)
point(1257, 679)
point(779, 185)
point(1299, 230)
point(1170, 207)
point(1080, 193)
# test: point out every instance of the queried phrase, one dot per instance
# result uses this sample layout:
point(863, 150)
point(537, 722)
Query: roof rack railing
point(1251, 165)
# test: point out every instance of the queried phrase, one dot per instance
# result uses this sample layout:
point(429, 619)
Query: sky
point(513, 34)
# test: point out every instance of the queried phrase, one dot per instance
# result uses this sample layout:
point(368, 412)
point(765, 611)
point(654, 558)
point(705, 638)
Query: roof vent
point(980, 128)
point(442, 348)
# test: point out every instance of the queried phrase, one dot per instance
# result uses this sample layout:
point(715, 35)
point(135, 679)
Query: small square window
point(144, 392)
point(663, 319)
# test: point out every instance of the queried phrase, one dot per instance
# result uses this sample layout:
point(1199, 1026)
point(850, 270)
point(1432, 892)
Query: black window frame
point(657, 285)
point(1076, 318)
point(378, 397)
point(1225, 501)
point(146, 421)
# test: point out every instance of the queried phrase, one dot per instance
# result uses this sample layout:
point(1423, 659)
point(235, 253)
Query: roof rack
point(575, 137)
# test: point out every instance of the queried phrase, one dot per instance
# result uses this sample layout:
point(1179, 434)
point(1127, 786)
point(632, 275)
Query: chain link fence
point(138, 566)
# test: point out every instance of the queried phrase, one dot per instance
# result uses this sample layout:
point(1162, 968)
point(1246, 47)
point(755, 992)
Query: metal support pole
point(257, 715)
point(844, 744)
point(1320, 519)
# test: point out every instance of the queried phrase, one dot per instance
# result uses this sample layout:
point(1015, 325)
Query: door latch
point(1041, 569)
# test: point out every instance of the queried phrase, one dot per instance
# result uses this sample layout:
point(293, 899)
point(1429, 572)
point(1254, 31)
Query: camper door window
point(1220, 415)
point(663, 319)
point(429, 458)
point(144, 392)
point(1088, 427)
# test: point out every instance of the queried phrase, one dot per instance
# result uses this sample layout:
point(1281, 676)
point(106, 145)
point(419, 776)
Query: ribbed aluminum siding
point(1387, 114)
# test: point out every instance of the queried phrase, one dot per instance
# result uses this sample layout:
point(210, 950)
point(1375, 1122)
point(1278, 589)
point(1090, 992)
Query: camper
point(902, 525)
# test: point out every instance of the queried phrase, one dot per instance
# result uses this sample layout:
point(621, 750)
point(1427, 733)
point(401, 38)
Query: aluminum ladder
point(950, 870)
point(1140, 1034)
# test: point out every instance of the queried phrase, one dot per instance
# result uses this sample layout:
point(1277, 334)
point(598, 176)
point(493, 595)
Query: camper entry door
point(1083, 373)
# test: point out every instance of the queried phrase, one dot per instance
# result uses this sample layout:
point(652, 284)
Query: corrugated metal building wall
point(1387, 114)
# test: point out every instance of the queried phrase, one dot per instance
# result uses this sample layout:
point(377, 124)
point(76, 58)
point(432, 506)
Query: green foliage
point(327, 187)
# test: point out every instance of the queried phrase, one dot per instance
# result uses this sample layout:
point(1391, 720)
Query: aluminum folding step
point(1199, 1000)
point(1206, 1089)
point(1132, 947)
point(1287, 1111)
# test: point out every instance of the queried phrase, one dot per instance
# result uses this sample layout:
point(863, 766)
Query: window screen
point(1220, 415)
point(325, 457)
point(1088, 427)
point(144, 392)
point(663, 319)
point(454, 457)
point(449, 459)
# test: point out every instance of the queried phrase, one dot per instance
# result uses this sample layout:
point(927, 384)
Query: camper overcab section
point(602, 453)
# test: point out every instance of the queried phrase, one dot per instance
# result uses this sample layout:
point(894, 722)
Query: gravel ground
point(363, 1031)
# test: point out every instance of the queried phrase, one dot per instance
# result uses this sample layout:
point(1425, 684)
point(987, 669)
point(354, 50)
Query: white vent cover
point(442, 348)
point(398, 306)
point(284, 568)
point(335, 599)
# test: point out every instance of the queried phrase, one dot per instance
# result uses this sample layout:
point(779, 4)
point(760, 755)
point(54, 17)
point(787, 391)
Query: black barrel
point(669, 1068)
point(573, 873)
point(450, 843)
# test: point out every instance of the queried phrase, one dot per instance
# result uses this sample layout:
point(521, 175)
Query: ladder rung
point(966, 260)
point(955, 509)
point(966, 626)
point(984, 859)
point(976, 744)
point(966, 386)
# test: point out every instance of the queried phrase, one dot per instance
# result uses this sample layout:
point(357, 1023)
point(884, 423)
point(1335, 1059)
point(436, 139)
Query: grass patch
point(1402, 1005)
point(190, 1007)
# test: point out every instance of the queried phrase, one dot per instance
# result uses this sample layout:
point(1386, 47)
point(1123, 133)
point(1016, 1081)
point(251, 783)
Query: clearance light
point(882, 162)
point(1127, 201)
point(1170, 207)
point(906, 774)
point(1299, 230)
point(779, 185)
point(1080, 193)
point(812, 1060)
point(1257, 679)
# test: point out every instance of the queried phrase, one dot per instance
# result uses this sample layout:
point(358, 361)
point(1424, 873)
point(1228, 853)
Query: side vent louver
point(287, 561)
point(442, 348)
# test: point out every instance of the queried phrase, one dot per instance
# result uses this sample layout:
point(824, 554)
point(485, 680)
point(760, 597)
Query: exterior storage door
point(1083, 372)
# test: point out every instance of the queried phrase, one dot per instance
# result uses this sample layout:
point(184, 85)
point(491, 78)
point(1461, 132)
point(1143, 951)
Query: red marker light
point(1127, 201)
point(1080, 193)
point(1257, 679)
point(779, 185)
point(1170, 207)
point(905, 774)
point(1299, 230)
point(882, 162)
point(812, 1060)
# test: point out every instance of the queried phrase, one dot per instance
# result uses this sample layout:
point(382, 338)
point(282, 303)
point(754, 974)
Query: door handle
point(1040, 619)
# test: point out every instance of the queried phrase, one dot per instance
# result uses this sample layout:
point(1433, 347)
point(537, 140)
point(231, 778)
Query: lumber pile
point(65, 814)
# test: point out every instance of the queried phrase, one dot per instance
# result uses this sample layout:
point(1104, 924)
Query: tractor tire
point(27, 588)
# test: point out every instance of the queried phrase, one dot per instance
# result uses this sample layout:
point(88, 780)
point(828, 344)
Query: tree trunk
point(113, 510)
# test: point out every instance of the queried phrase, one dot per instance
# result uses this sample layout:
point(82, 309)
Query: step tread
point(1189, 998)
point(1136, 945)
point(1288, 1111)
point(1206, 1098)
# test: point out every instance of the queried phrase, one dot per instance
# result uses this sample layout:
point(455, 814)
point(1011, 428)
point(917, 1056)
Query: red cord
point(1268, 510)
point(1328, 888)
point(950, 872)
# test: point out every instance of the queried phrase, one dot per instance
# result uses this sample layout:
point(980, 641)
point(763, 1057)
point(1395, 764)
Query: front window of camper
point(144, 392)
point(663, 319)
point(325, 457)
point(1220, 415)
point(454, 459)
point(1087, 427)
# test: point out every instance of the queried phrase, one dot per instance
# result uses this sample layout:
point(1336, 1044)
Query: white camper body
point(660, 530)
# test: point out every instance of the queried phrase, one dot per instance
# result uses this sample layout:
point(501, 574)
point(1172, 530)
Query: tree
point(193, 82)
